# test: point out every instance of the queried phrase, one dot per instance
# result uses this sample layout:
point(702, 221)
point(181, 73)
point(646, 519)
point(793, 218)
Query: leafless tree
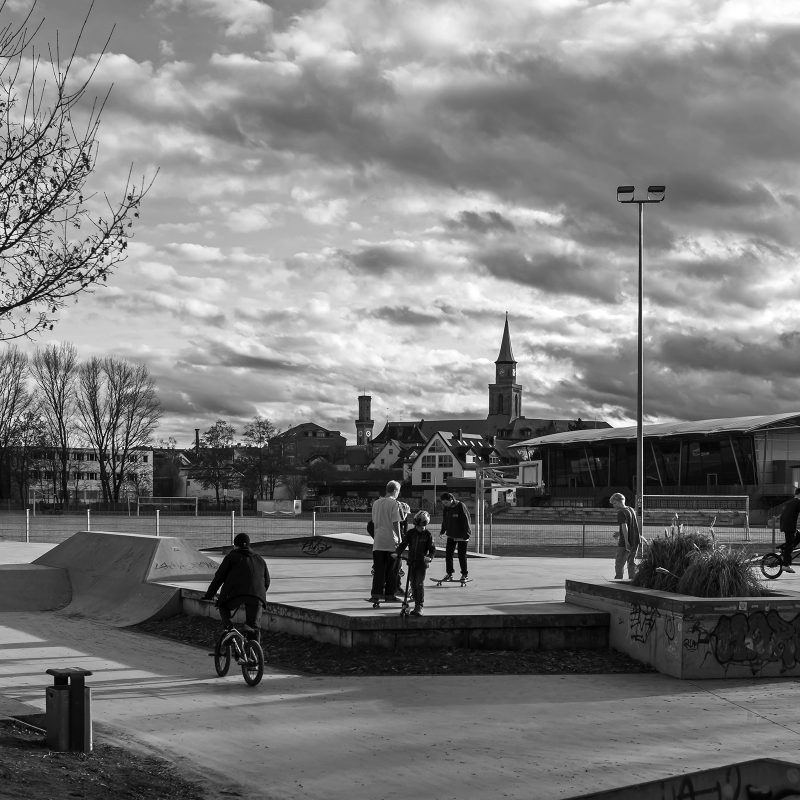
point(13, 403)
point(55, 369)
point(119, 411)
point(57, 238)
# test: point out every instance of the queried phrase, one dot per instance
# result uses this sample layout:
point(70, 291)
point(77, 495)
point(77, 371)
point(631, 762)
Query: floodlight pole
point(655, 194)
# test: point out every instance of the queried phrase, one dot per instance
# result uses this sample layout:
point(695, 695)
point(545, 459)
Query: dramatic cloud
point(352, 194)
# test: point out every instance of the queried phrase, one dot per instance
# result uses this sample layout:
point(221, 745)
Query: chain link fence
point(530, 534)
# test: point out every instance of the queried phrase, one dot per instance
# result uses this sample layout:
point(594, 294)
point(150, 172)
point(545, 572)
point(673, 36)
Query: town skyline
point(351, 196)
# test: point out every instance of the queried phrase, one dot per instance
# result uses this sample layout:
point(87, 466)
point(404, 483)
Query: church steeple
point(506, 356)
point(364, 423)
point(505, 394)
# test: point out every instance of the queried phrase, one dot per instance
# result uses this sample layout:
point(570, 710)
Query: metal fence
point(501, 535)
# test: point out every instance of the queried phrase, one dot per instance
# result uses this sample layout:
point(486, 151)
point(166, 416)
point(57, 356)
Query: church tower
point(505, 394)
point(364, 424)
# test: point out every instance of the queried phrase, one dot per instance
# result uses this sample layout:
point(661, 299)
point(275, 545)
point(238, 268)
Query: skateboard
point(443, 581)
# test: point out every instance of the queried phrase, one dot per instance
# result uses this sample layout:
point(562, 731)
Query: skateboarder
point(386, 516)
point(421, 551)
point(627, 537)
point(457, 528)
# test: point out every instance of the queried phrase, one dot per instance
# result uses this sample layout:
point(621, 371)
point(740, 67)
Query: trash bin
point(68, 710)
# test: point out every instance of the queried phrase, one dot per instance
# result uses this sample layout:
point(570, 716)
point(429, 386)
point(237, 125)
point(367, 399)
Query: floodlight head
point(655, 194)
point(625, 194)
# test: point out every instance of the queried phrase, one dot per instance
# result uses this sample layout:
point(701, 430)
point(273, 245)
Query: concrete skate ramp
point(32, 587)
point(114, 576)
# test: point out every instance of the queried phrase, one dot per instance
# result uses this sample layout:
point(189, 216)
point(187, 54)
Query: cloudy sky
point(353, 193)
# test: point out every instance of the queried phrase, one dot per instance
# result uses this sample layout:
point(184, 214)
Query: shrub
point(671, 553)
point(695, 565)
point(720, 572)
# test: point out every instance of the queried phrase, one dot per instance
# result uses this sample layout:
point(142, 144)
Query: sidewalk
point(517, 737)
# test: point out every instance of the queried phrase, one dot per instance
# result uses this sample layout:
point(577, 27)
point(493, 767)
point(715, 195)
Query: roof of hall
point(702, 427)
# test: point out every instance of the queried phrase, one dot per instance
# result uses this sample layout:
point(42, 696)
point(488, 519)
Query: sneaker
point(464, 577)
point(447, 577)
point(417, 612)
point(374, 599)
point(788, 569)
point(392, 599)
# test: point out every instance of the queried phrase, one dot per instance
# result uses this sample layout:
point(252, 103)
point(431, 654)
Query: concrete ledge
point(694, 637)
point(556, 626)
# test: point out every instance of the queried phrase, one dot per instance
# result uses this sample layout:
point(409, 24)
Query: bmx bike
point(771, 564)
point(233, 644)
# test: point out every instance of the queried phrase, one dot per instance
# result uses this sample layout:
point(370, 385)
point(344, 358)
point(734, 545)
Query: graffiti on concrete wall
point(315, 547)
point(755, 640)
point(641, 621)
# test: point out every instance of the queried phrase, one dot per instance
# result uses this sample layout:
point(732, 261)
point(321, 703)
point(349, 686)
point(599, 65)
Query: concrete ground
point(296, 736)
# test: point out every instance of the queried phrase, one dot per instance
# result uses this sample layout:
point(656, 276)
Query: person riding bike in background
point(789, 515)
point(244, 578)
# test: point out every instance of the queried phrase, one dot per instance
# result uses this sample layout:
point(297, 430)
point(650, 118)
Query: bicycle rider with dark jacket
point(244, 578)
point(789, 516)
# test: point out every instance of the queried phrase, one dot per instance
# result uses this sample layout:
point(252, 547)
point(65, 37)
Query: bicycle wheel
point(772, 565)
point(253, 665)
point(222, 656)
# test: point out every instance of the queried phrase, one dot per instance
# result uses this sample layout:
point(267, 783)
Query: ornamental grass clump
point(720, 572)
point(692, 563)
point(672, 555)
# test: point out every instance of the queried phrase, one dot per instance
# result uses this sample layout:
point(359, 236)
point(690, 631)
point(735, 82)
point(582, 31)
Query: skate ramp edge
point(115, 577)
point(32, 587)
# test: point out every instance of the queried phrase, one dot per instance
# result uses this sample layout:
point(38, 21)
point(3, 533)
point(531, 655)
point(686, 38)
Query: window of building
point(428, 462)
point(446, 475)
point(446, 461)
point(436, 446)
point(426, 477)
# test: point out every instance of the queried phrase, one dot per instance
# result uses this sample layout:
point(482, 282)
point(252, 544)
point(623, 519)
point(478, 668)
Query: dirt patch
point(28, 769)
point(300, 655)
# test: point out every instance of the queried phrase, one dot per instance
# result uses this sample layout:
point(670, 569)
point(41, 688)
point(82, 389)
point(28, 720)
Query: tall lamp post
point(627, 194)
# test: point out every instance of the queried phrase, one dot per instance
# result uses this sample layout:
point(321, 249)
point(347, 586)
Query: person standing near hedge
point(627, 536)
point(789, 515)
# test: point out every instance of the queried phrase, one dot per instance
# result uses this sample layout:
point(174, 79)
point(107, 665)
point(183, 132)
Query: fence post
point(491, 541)
point(27, 525)
point(233, 525)
point(583, 540)
point(158, 523)
point(773, 533)
point(314, 523)
point(88, 519)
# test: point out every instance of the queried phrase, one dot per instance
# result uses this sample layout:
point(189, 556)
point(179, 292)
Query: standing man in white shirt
point(386, 518)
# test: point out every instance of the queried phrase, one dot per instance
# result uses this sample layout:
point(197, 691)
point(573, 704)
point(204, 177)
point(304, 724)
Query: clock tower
point(505, 394)
point(364, 424)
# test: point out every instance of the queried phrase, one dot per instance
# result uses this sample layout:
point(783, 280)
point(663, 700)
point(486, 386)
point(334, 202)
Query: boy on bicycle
point(244, 578)
point(789, 516)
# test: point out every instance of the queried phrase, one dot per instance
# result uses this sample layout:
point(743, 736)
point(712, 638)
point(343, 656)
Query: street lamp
point(627, 194)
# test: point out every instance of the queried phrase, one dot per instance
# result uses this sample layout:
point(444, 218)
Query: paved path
point(516, 737)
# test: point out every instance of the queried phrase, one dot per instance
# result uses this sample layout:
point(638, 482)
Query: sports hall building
point(756, 456)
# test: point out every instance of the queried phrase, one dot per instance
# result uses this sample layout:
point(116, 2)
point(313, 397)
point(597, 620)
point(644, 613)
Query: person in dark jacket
point(244, 578)
point(457, 528)
point(421, 551)
point(789, 515)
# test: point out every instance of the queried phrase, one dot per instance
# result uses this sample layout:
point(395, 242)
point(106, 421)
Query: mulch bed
point(305, 656)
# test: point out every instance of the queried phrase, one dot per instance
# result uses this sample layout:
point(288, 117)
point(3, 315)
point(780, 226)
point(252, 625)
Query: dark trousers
point(416, 583)
point(252, 613)
point(449, 549)
point(787, 547)
point(385, 571)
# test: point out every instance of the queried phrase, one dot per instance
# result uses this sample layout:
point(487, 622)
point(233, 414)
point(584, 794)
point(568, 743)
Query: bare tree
point(14, 399)
point(257, 435)
point(55, 369)
point(28, 440)
point(214, 465)
point(119, 411)
point(55, 240)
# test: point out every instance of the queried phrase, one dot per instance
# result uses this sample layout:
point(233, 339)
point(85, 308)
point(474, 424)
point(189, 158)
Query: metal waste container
point(68, 710)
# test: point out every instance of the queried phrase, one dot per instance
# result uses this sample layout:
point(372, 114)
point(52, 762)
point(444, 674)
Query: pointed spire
point(506, 356)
